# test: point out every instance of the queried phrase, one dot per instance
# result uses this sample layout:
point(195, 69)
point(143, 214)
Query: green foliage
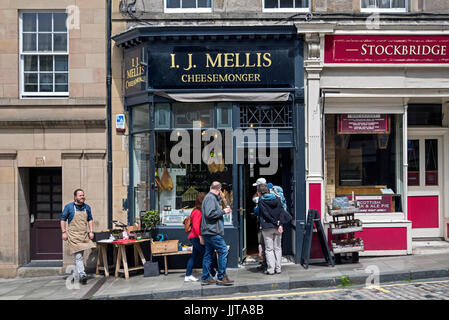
point(150, 220)
point(345, 282)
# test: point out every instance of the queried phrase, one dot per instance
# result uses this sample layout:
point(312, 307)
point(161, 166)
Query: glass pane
point(173, 4)
point(385, 4)
point(204, 3)
point(269, 4)
point(286, 3)
point(186, 113)
point(61, 78)
point(57, 189)
point(162, 116)
point(368, 4)
point(413, 162)
point(29, 42)
point(30, 63)
point(224, 115)
point(44, 22)
point(301, 3)
point(60, 21)
point(30, 87)
point(60, 42)
point(431, 162)
point(43, 207)
point(141, 158)
point(46, 63)
point(30, 78)
point(398, 3)
point(43, 198)
point(43, 188)
point(61, 88)
point(44, 41)
point(29, 22)
point(141, 118)
point(189, 3)
point(43, 216)
point(425, 115)
point(61, 63)
point(43, 179)
point(46, 82)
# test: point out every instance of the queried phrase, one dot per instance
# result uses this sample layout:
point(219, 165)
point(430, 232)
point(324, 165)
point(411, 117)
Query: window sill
point(381, 10)
point(281, 10)
point(193, 10)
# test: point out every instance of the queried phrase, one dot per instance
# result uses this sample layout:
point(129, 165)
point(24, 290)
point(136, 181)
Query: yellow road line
point(326, 291)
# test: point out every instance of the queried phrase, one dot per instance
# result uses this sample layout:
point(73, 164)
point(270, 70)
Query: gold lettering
point(267, 58)
point(237, 61)
point(248, 65)
point(172, 61)
point(228, 60)
point(258, 59)
point(257, 77)
point(216, 63)
point(190, 62)
point(183, 78)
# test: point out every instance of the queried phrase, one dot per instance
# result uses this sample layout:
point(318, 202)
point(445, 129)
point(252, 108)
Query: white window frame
point(188, 10)
point(277, 10)
point(405, 9)
point(23, 93)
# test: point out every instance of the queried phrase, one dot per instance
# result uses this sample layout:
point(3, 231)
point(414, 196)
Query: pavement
point(369, 270)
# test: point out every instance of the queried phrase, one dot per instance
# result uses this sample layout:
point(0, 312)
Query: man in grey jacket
point(212, 230)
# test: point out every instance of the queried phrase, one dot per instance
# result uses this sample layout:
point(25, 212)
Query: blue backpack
point(279, 192)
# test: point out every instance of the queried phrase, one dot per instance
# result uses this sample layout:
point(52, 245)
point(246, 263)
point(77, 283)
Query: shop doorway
point(425, 201)
point(282, 178)
point(45, 213)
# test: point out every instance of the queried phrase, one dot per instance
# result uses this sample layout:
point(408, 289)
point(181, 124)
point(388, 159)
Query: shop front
point(214, 104)
point(385, 137)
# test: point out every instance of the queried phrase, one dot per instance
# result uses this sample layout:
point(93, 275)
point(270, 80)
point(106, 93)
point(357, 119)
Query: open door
point(242, 211)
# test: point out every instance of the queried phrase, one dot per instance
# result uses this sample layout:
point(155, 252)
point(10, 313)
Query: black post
point(109, 111)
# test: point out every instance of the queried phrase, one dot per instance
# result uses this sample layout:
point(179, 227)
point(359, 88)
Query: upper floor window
point(43, 54)
point(182, 6)
point(286, 5)
point(383, 5)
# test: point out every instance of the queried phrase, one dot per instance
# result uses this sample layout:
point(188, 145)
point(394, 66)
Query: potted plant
point(149, 221)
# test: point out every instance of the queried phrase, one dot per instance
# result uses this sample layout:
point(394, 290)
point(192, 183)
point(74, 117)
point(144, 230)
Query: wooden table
point(102, 257)
point(165, 254)
point(121, 257)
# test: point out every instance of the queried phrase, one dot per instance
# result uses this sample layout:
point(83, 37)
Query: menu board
point(374, 203)
point(363, 124)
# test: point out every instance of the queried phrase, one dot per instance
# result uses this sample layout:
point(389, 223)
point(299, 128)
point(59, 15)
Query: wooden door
point(45, 210)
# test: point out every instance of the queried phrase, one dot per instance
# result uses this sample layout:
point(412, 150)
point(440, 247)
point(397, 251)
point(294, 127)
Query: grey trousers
point(273, 249)
point(79, 265)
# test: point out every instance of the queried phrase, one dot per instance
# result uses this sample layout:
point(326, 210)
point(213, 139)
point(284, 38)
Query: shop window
point(141, 158)
point(413, 162)
point(286, 5)
point(224, 115)
point(266, 115)
point(140, 118)
point(179, 184)
point(425, 115)
point(186, 113)
point(431, 162)
point(44, 54)
point(383, 5)
point(162, 116)
point(188, 6)
point(364, 158)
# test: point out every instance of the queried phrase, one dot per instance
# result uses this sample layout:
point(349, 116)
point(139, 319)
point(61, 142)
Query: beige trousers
point(273, 249)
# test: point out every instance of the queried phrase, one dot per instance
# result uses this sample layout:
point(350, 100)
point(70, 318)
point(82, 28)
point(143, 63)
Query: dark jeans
point(197, 255)
point(212, 244)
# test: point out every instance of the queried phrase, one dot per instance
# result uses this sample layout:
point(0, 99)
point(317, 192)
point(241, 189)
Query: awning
point(222, 97)
point(335, 105)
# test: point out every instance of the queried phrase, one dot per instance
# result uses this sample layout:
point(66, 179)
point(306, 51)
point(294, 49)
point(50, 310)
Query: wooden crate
point(164, 246)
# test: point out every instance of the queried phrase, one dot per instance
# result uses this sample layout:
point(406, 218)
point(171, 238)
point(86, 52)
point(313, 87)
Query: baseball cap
point(260, 181)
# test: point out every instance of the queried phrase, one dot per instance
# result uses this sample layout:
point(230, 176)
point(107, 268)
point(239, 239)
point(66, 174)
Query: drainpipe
point(109, 112)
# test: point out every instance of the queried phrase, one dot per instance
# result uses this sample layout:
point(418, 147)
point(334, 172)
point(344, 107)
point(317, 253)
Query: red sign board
point(363, 123)
point(374, 203)
point(386, 49)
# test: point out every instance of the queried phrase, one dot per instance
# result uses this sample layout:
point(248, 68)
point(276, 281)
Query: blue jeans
point(213, 243)
point(197, 254)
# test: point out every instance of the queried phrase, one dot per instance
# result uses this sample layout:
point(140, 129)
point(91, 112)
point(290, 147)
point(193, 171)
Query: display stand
point(313, 218)
point(344, 227)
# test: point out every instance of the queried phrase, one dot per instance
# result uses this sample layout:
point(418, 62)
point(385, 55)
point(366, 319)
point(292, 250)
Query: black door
point(45, 210)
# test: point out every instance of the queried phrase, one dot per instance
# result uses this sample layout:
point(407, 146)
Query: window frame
point(188, 10)
point(31, 94)
point(380, 10)
point(279, 10)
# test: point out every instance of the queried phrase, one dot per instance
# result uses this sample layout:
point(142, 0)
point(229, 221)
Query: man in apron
point(78, 231)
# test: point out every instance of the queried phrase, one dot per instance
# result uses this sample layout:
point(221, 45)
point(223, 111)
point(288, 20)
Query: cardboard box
point(164, 246)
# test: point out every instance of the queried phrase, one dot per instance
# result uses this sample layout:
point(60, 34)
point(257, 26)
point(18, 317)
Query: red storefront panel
point(315, 197)
point(375, 239)
point(386, 49)
point(423, 211)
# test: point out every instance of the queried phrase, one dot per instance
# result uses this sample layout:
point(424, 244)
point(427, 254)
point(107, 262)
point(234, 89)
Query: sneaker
point(225, 281)
point(278, 272)
point(83, 280)
point(208, 282)
point(190, 279)
point(269, 273)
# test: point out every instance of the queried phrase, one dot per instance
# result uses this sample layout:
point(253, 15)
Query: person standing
point(77, 230)
point(212, 229)
point(197, 240)
point(270, 210)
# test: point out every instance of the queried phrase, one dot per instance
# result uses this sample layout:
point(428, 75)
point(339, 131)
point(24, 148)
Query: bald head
point(215, 187)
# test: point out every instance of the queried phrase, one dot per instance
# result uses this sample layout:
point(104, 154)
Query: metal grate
point(266, 115)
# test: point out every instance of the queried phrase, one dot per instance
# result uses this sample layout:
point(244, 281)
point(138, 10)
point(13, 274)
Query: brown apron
point(78, 232)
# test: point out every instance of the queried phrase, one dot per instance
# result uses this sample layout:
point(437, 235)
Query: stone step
point(430, 247)
point(41, 269)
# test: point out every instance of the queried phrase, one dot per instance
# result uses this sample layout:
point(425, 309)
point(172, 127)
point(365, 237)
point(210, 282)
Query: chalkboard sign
point(313, 218)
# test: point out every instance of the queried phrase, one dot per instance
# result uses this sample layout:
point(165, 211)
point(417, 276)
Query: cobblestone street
point(413, 290)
